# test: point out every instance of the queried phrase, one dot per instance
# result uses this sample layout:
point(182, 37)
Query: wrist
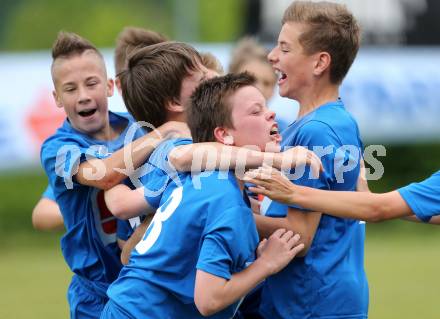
point(264, 266)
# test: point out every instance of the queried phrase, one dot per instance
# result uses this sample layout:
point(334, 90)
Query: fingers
point(278, 233)
point(259, 190)
point(296, 249)
point(287, 236)
point(294, 240)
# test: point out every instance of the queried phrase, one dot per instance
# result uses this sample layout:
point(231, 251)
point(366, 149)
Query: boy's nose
point(272, 56)
point(83, 96)
point(271, 115)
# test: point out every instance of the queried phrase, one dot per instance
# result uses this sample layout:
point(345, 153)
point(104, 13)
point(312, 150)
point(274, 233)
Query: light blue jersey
point(48, 193)
point(329, 282)
point(89, 244)
point(423, 198)
point(196, 227)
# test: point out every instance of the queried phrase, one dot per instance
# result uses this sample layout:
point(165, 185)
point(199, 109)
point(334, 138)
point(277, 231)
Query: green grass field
point(401, 265)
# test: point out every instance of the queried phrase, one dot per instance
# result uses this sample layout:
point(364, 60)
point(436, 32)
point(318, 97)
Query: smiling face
point(253, 123)
point(294, 67)
point(82, 89)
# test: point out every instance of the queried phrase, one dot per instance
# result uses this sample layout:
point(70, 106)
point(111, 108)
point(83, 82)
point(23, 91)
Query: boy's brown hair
point(247, 49)
point(209, 106)
point(68, 44)
point(131, 38)
point(329, 27)
point(153, 79)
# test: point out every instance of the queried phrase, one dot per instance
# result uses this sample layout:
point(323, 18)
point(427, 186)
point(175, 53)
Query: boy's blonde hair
point(247, 49)
point(329, 27)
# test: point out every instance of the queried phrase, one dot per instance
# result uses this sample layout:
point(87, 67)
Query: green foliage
point(405, 164)
point(34, 24)
point(220, 21)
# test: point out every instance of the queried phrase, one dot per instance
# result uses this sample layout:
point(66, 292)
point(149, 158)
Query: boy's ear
point(57, 99)
point(322, 63)
point(110, 87)
point(222, 136)
point(174, 106)
point(118, 85)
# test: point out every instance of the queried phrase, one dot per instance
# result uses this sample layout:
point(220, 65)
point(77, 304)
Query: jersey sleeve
point(61, 157)
point(48, 193)
point(158, 171)
point(423, 198)
point(229, 242)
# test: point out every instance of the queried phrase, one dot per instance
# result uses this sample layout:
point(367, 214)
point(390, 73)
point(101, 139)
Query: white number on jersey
point(162, 214)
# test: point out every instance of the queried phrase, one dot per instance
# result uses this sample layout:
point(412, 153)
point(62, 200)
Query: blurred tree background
point(33, 24)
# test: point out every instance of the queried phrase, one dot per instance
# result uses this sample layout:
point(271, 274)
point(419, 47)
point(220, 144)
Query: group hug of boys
point(175, 164)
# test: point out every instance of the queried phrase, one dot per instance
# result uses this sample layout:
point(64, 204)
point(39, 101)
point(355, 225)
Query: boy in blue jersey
point(156, 85)
point(421, 200)
point(46, 215)
point(80, 160)
point(193, 260)
point(316, 47)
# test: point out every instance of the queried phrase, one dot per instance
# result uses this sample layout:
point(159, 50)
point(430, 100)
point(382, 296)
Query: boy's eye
point(92, 83)
point(69, 89)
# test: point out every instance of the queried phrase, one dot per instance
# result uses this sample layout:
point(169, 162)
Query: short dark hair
point(209, 106)
point(154, 78)
point(330, 27)
point(131, 38)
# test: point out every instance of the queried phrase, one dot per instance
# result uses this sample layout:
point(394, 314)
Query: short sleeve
point(229, 242)
point(48, 193)
point(423, 198)
point(61, 157)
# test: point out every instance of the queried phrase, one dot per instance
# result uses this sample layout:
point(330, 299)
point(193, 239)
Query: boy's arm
point(125, 203)
point(213, 293)
point(46, 215)
point(304, 224)
point(123, 162)
point(134, 239)
point(208, 156)
point(356, 205)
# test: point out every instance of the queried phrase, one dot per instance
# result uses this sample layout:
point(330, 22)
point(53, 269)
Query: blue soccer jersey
point(329, 282)
point(48, 193)
point(196, 227)
point(89, 244)
point(423, 198)
point(157, 173)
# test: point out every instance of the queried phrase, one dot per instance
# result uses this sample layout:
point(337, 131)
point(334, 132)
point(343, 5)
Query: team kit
point(196, 202)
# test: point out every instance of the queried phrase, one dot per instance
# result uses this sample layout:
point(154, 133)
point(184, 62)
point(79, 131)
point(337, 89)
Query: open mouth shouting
point(274, 133)
point(87, 112)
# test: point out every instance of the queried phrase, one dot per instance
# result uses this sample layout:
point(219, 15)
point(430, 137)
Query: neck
point(176, 116)
point(107, 134)
point(316, 97)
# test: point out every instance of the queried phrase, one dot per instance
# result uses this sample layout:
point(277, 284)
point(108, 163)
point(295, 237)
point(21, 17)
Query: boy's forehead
point(89, 60)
